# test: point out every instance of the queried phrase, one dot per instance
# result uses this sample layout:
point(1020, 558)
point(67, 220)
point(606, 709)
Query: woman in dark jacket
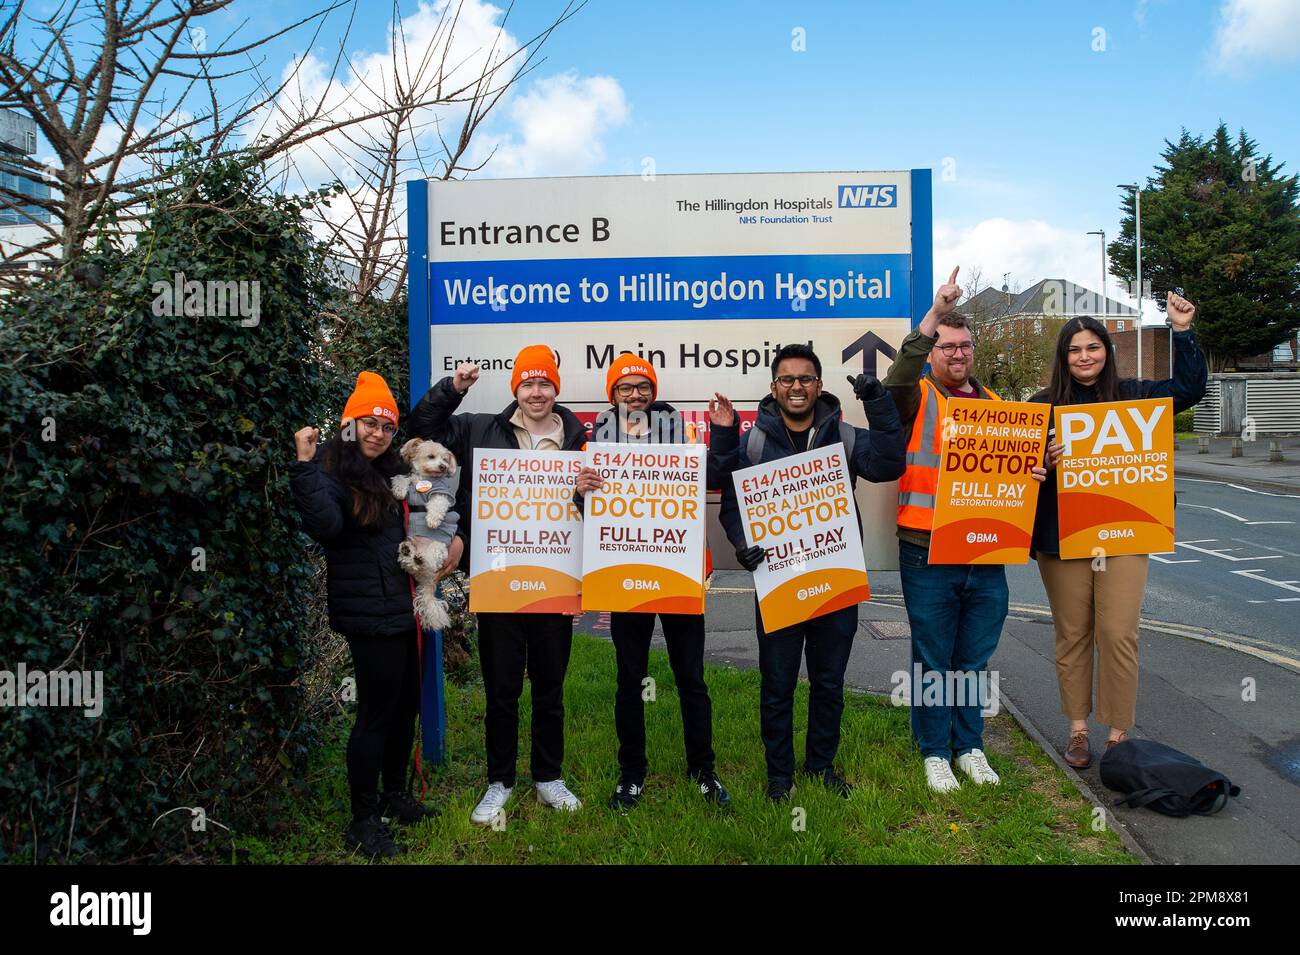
point(1100, 608)
point(342, 491)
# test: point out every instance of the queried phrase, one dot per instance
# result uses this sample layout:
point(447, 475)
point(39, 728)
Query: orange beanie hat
point(371, 398)
point(534, 361)
point(629, 364)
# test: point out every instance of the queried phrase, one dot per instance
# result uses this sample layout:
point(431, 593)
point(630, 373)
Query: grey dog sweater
point(418, 501)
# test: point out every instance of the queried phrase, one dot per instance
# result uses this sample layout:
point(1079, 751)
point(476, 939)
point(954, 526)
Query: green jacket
point(904, 385)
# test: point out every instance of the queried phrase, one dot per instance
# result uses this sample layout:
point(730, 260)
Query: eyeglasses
point(966, 348)
point(641, 388)
point(787, 381)
point(374, 424)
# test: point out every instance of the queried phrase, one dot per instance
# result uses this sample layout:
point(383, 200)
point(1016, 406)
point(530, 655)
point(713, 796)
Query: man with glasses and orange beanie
point(511, 645)
point(637, 416)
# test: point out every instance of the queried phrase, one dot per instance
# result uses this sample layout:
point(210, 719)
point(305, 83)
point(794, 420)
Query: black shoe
point(403, 808)
point(778, 790)
point(834, 782)
point(627, 794)
point(371, 838)
point(711, 789)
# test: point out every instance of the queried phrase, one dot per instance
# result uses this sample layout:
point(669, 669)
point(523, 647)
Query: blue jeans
point(825, 643)
point(956, 612)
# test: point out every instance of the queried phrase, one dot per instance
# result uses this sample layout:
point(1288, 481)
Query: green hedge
point(166, 433)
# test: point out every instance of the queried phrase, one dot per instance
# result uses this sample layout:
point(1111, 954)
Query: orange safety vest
point(920, 482)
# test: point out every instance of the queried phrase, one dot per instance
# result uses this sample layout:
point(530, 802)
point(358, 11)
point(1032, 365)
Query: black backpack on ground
point(1160, 777)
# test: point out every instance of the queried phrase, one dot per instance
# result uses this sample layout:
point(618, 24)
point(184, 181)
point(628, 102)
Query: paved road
point(1220, 665)
point(1234, 573)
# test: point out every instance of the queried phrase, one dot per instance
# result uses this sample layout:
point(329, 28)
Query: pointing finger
point(952, 279)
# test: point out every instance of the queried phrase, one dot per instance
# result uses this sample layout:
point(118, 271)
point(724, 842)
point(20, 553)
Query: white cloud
point(1029, 249)
point(1256, 29)
point(561, 123)
point(553, 126)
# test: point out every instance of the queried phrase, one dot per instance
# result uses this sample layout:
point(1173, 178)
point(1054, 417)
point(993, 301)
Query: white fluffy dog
point(430, 492)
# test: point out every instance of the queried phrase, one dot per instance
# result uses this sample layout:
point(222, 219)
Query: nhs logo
point(868, 197)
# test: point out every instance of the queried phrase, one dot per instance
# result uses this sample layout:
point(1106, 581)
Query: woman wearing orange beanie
point(342, 491)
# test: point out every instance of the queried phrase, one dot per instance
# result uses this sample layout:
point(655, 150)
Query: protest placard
point(986, 496)
point(526, 549)
point(800, 510)
point(644, 531)
point(1115, 479)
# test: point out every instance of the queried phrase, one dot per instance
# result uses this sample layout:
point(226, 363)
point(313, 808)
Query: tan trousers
point(1096, 608)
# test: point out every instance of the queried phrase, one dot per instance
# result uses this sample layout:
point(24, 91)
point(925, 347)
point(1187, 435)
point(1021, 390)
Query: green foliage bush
point(130, 438)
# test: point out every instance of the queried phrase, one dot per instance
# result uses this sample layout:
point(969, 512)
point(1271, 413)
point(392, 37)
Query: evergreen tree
point(1220, 222)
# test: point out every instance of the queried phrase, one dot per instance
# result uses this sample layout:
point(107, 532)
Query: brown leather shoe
point(1112, 742)
point(1078, 754)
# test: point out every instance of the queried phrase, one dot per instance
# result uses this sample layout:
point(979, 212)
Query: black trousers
point(825, 642)
point(387, 671)
point(508, 645)
point(684, 634)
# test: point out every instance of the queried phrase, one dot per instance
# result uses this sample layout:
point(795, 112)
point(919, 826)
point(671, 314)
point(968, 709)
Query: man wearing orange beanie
point(511, 645)
point(638, 417)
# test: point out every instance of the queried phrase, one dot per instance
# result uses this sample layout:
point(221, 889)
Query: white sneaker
point(556, 795)
point(491, 805)
point(976, 765)
point(938, 775)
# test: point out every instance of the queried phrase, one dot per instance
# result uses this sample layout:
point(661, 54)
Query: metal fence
point(1266, 402)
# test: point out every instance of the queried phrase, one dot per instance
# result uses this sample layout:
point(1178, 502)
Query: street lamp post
point(1137, 244)
point(1102, 233)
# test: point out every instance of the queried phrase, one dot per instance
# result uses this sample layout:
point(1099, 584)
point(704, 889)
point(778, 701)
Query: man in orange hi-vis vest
point(956, 611)
point(636, 415)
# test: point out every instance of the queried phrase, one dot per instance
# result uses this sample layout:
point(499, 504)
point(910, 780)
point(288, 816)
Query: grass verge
point(1034, 816)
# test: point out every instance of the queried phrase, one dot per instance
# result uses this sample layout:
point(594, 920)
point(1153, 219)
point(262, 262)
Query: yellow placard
point(1115, 479)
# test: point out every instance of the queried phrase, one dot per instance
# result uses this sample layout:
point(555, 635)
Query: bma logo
point(630, 583)
point(981, 537)
point(813, 591)
point(868, 197)
point(1116, 534)
point(527, 585)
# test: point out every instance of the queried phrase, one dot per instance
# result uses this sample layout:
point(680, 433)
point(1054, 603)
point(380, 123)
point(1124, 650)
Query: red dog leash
point(419, 652)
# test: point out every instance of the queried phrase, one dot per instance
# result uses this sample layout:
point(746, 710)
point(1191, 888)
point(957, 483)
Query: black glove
point(751, 557)
point(866, 387)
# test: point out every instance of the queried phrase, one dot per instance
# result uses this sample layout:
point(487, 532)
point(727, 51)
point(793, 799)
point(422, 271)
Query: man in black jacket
point(798, 416)
point(638, 417)
point(512, 644)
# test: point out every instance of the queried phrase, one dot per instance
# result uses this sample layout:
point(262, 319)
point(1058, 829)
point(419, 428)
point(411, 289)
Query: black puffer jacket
point(1186, 387)
point(434, 419)
point(368, 593)
point(879, 452)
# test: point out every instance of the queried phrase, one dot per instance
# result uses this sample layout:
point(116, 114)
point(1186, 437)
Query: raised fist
point(305, 440)
point(866, 387)
point(466, 375)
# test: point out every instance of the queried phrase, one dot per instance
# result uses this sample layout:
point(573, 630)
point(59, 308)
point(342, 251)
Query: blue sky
point(1034, 110)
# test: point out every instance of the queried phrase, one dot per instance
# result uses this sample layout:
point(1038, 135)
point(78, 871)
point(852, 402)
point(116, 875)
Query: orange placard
point(526, 549)
point(1115, 480)
point(800, 510)
point(643, 530)
point(986, 497)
